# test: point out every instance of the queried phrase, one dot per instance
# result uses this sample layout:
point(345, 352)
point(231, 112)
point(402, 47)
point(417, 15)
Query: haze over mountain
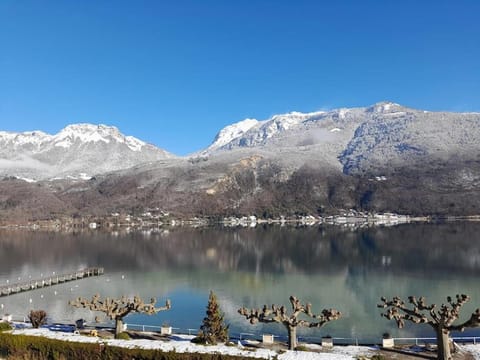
point(385, 157)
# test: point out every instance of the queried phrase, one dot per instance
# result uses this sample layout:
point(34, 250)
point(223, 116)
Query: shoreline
point(149, 222)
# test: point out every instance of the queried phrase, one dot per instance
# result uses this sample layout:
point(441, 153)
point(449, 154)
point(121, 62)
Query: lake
point(328, 266)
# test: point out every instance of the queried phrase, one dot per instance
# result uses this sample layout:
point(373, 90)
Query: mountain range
point(78, 151)
point(385, 157)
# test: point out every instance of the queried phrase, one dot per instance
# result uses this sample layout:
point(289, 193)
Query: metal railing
point(432, 340)
point(243, 335)
point(146, 327)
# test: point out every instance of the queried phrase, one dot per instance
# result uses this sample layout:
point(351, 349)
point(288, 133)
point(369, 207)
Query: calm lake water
point(328, 266)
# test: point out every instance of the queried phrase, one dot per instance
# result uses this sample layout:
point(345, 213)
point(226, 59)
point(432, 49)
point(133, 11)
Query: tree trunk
point(118, 326)
point(443, 344)
point(292, 337)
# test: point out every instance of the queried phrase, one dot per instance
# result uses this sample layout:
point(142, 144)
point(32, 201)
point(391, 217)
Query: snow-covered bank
point(471, 349)
point(182, 344)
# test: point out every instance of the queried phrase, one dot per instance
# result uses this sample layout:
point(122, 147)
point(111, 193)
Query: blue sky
point(173, 73)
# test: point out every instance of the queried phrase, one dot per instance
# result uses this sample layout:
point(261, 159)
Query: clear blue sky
point(175, 72)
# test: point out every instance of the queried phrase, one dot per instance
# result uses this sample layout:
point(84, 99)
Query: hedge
point(38, 348)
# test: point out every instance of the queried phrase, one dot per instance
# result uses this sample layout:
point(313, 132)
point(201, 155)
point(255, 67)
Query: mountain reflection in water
point(327, 266)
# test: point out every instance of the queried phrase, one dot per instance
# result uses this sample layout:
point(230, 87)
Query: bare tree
point(441, 320)
point(278, 314)
point(117, 309)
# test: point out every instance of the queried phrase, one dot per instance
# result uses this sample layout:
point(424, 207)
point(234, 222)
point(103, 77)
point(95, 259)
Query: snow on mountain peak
point(76, 149)
point(285, 121)
point(384, 107)
point(258, 131)
point(70, 135)
point(85, 133)
point(133, 143)
point(296, 115)
point(6, 135)
point(94, 133)
point(30, 138)
point(228, 133)
point(342, 113)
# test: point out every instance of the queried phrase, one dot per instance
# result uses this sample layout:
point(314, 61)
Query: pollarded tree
point(440, 320)
point(213, 329)
point(278, 314)
point(117, 309)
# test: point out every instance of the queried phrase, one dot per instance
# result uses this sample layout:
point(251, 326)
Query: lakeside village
point(155, 218)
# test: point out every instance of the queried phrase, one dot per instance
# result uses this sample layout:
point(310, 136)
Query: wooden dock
point(7, 290)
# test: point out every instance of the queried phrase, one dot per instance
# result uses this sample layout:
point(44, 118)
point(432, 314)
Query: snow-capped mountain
point(390, 136)
point(231, 132)
point(361, 139)
point(79, 150)
point(381, 158)
point(252, 132)
point(88, 133)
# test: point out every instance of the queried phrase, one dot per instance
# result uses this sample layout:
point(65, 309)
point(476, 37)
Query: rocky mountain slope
point(383, 158)
point(363, 140)
point(78, 151)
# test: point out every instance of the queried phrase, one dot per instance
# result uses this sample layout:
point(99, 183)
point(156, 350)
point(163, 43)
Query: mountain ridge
point(262, 130)
point(364, 137)
point(381, 158)
point(76, 149)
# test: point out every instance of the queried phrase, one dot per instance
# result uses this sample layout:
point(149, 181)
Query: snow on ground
point(182, 344)
point(27, 179)
point(474, 350)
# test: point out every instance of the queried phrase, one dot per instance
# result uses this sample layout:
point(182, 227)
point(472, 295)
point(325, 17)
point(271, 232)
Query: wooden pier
point(7, 290)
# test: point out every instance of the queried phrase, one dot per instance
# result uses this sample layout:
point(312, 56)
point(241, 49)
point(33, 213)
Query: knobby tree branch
point(418, 312)
point(279, 314)
point(119, 308)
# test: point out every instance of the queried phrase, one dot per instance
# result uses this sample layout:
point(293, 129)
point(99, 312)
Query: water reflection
point(328, 266)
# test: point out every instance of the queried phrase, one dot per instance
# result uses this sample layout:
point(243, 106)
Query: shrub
point(302, 348)
point(34, 347)
point(123, 336)
point(37, 318)
point(197, 339)
point(4, 326)
point(374, 357)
